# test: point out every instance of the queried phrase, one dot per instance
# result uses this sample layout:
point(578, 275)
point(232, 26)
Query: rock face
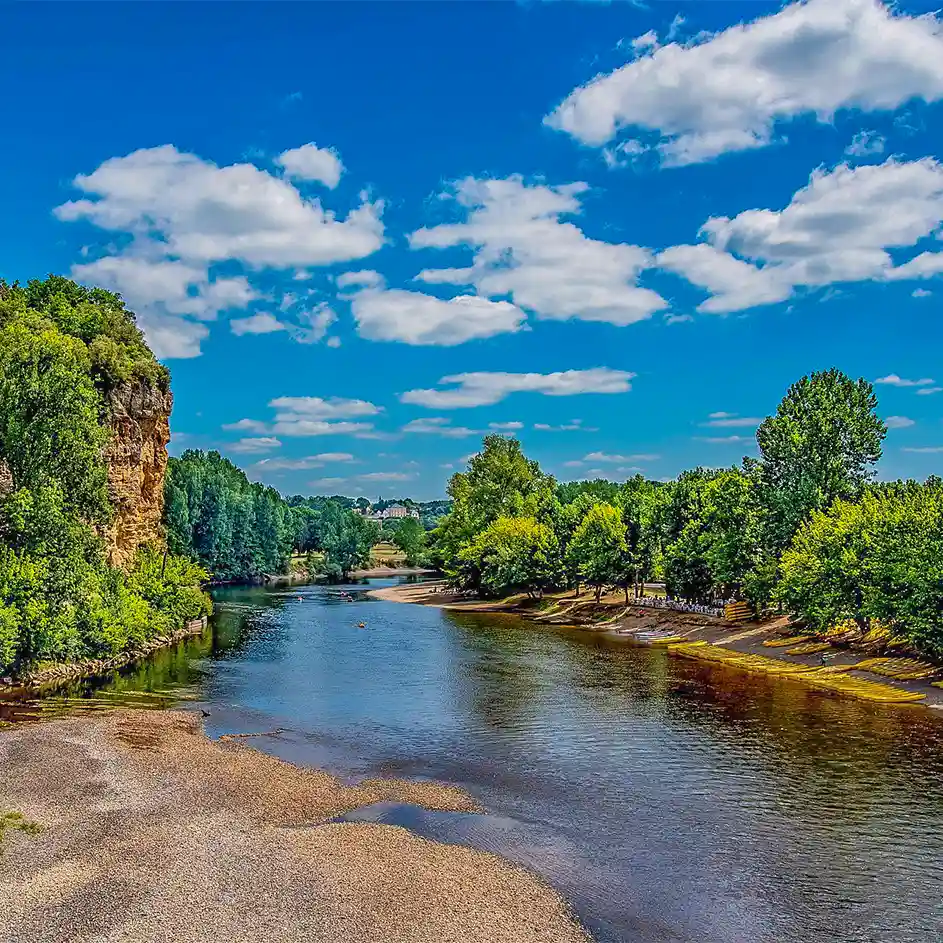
point(139, 414)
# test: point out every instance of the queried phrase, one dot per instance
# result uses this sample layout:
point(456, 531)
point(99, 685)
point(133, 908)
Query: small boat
point(361, 625)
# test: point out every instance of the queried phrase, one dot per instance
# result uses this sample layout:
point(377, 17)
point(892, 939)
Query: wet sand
point(152, 831)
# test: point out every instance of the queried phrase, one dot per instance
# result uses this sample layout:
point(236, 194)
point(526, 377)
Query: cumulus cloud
point(925, 450)
point(574, 425)
point(310, 162)
point(170, 297)
point(312, 416)
point(484, 389)
point(892, 379)
point(722, 420)
point(437, 425)
point(261, 323)
point(412, 317)
point(729, 91)
point(364, 278)
point(178, 216)
point(838, 228)
point(505, 426)
point(250, 446)
point(866, 144)
point(526, 250)
point(301, 464)
point(387, 476)
point(898, 422)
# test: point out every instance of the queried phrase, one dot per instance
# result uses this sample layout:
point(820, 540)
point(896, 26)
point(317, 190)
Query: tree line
point(62, 348)
point(803, 528)
point(240, 530)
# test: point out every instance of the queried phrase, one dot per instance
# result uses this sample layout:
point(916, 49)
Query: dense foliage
point(803, 527)
point(62, 348)
point(242, 530)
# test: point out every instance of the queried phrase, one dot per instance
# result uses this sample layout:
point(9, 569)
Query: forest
point(62, 348)
point(242, 531)
point(804, 528)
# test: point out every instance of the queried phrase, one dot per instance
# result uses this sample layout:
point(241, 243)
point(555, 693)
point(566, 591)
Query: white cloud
point(925, 450)
point(892, 379)
point(485, 389)
point(310, 162)
point(505, 426)
point(730, 420)
point(898, 422)
point(416, 318)
point(386, 476)
point(619, 459)
point(302, 464)
point(178, 216)
point(925, 265)
point(921, 293)
point(170, 297)
point(250, 446)
point(574, 425)
point(365, 278)
point(525, 251)
point(202, 212)
point(312, 416)
point(866, 144)
point(437, 425)
point(728, 91)
point(261, 323)
point(316, 407)
point(838, 228)
point(576, 463)
point(929, 390)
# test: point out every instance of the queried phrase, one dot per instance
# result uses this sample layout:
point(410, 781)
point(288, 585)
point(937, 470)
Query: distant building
point(393, 512)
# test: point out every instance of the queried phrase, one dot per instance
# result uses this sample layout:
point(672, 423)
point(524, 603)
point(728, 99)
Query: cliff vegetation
point(83, 431)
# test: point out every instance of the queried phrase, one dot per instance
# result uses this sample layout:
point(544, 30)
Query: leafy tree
point(819, 446)
point(514, 554)
point(347, 539)
point(410, 537)
point(598, 548)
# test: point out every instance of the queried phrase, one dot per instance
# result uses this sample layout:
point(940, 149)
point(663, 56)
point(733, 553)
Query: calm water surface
point(668, 801)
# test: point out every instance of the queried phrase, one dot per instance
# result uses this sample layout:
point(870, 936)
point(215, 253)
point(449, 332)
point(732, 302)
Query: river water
point(667, 800)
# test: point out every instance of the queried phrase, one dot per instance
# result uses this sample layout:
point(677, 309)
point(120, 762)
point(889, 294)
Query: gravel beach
point(153, 832)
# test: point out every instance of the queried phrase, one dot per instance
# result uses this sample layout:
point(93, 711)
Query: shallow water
point(669, 801)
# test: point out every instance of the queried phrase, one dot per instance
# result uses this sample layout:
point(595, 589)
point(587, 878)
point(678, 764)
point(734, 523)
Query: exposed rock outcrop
point(139, 417)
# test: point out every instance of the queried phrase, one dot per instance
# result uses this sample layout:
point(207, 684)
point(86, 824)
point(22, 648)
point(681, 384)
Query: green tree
point(598, 548)
point(514, 554)
point(410, 537)
point(819, 446)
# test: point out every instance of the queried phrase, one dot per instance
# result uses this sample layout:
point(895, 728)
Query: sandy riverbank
point(613, 617)
point(152, 831)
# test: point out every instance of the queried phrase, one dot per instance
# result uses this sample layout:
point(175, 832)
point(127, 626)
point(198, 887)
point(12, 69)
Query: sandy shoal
point(153, 832)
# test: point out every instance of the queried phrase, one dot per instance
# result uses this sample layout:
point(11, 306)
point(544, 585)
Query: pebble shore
point(152, 831)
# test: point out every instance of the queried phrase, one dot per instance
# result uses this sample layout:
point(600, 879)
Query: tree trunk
point(626, 588)
point(598, 591)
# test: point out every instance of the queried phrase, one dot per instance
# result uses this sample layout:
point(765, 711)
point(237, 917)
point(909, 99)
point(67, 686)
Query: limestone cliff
point(139, 417)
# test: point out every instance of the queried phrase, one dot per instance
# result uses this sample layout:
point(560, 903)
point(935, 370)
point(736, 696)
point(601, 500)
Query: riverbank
point(150, 830)
point(57, 673)
point(766, 645)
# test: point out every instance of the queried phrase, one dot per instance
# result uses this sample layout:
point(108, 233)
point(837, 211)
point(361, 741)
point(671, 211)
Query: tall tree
point(819, 446)
point(598, 548)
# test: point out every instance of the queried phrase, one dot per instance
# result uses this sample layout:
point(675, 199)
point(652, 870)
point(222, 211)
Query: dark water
point(668, 801)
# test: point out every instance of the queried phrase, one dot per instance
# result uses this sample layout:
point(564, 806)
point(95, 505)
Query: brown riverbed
point(152, 831)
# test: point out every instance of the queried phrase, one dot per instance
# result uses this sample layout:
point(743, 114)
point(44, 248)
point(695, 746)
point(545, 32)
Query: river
point(667, 800)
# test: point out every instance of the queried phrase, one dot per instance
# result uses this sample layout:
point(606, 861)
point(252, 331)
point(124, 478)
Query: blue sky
point(621, 230)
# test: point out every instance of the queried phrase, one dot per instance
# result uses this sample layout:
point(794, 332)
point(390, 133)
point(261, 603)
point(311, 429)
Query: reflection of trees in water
point(848, 756)
point(501, 667)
